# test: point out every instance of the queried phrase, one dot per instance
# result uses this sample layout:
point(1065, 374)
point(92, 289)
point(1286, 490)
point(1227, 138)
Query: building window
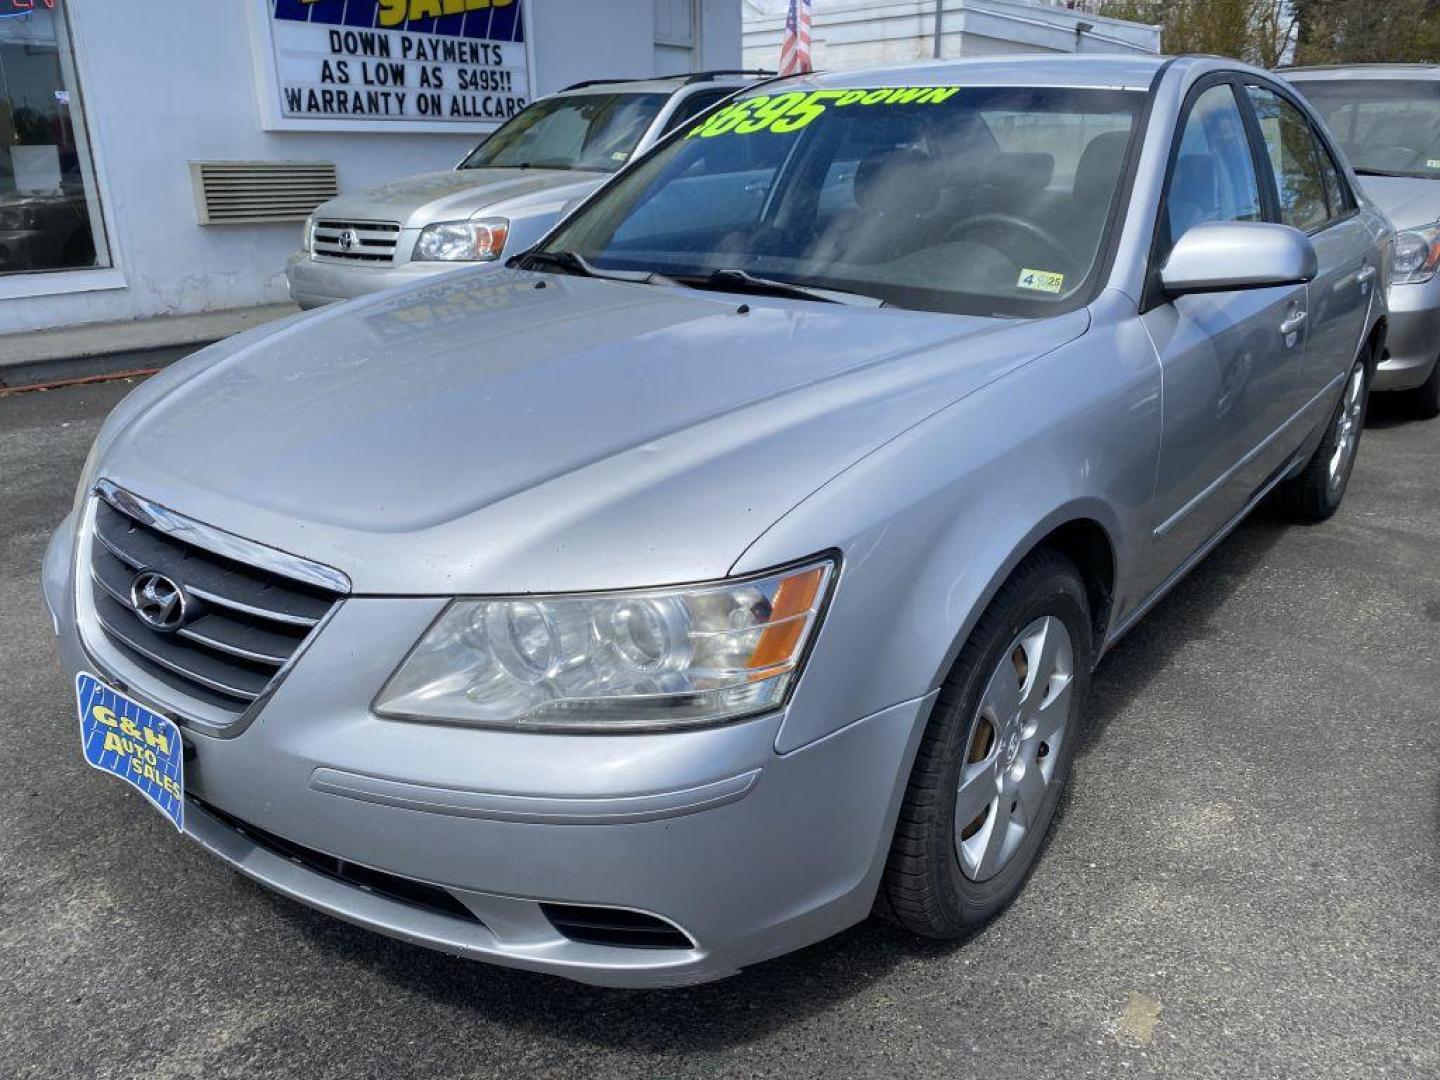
point(49, 207)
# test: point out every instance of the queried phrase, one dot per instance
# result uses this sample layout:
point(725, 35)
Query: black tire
point(1425, 398)
point(1312, 495)
point(925, 888)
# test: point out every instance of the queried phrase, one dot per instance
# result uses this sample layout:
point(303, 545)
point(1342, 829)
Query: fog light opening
point(615, 927)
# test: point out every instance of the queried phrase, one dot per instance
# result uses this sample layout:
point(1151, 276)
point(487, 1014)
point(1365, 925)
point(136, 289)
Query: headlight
point(1417, 254)
point(664, 658)
point(463, 241)
point(307, 239)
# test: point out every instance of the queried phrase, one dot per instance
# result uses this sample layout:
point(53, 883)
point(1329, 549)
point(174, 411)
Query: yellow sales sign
point(398, 12)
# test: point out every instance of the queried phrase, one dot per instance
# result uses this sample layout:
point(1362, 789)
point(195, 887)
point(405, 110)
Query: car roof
point(666, 84)
point(1361, 71)
point(1039, 70)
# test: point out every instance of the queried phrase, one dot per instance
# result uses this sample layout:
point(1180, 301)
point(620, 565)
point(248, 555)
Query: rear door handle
point(1293, 323)
point(1365, 277)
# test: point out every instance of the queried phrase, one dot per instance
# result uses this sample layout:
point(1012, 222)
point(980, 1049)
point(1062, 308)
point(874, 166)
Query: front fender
point(932, 523)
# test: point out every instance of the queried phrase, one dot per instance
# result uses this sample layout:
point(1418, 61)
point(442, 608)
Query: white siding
point(857, 33)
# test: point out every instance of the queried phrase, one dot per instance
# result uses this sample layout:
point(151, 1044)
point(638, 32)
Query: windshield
point(597, 132)
point(983, 201)
point(1383, 125)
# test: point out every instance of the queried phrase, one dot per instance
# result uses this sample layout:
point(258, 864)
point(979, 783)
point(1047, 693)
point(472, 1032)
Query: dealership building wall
point(857, 33)
point(145, 89)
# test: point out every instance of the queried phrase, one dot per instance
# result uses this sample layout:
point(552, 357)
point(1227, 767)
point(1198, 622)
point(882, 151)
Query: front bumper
point(749, 852)
point(1413, 340)
point(314, 282)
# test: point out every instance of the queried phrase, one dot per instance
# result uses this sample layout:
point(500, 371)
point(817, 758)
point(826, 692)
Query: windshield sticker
point(1040, 280)
point(783, 113)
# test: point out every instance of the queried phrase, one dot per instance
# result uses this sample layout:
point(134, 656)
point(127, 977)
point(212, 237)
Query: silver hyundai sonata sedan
point(733, 563)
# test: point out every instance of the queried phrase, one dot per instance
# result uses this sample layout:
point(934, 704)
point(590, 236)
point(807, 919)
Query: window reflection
point(1300, 163)
point(48, 208)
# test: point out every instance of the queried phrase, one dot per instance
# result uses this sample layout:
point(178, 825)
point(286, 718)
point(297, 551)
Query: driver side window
point(1213, 176)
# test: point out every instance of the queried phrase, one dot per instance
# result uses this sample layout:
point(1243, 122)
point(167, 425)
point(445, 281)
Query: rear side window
point(1310, 187)
point(1213, 177)
point(1335, 190)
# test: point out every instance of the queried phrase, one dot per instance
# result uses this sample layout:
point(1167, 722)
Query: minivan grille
point(244, 625)
point(356, 241)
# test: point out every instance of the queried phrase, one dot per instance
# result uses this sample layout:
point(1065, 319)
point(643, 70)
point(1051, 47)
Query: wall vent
point(247, 192)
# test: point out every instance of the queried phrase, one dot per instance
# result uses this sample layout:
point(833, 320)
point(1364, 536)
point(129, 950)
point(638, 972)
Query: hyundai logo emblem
point(160, 603)
point(348, 239)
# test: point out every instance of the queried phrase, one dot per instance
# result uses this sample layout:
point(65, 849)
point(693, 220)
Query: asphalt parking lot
point(1244, 880)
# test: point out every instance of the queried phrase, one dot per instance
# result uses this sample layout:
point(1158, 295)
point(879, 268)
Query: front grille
point(244, 625)
point(391, 886)
point(369, 241)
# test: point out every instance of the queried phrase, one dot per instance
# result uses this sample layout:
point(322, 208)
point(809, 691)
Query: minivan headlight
point(481, 240)
point(621, 661)
point(1417, 255)
point(307, 238)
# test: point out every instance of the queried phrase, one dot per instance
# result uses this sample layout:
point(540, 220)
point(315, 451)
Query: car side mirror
point(1221, 256)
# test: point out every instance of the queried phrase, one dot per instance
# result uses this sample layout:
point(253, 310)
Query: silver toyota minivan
point(1386, 118)
point(734, 563)
point(503, 196)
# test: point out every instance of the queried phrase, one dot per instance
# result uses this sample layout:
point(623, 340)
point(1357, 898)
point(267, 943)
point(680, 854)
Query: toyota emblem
point(160, 603)
point(348, 239)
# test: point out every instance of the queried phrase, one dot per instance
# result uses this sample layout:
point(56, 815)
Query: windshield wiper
point(1362, 171)
point(742, 281)
point(572, 262)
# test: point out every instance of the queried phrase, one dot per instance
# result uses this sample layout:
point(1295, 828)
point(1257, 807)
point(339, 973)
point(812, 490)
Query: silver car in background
point(503, 196)
point(1386, 118)
point(733, 564)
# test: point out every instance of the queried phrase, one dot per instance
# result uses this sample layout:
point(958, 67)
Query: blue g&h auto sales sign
point(436, 63)
point(125, 739)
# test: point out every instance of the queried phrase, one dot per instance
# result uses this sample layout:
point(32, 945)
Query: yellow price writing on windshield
point(791, 111)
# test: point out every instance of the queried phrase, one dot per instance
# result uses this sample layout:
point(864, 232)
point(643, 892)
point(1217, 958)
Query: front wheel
point(995, 756)
point(1315, 493)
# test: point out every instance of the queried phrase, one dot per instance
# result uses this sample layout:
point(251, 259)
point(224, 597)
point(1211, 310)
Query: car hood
point(502, 431)
point(455, 194)
point(1406, 201)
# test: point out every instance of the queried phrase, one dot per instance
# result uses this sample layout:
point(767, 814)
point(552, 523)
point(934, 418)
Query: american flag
point(795, 49)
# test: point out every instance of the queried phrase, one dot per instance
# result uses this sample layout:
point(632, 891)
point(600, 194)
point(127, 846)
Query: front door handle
point(1365, 277)
point(1293, 323)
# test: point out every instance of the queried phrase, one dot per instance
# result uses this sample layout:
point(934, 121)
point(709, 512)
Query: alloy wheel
point(1347, 429)
point(1015, 740)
